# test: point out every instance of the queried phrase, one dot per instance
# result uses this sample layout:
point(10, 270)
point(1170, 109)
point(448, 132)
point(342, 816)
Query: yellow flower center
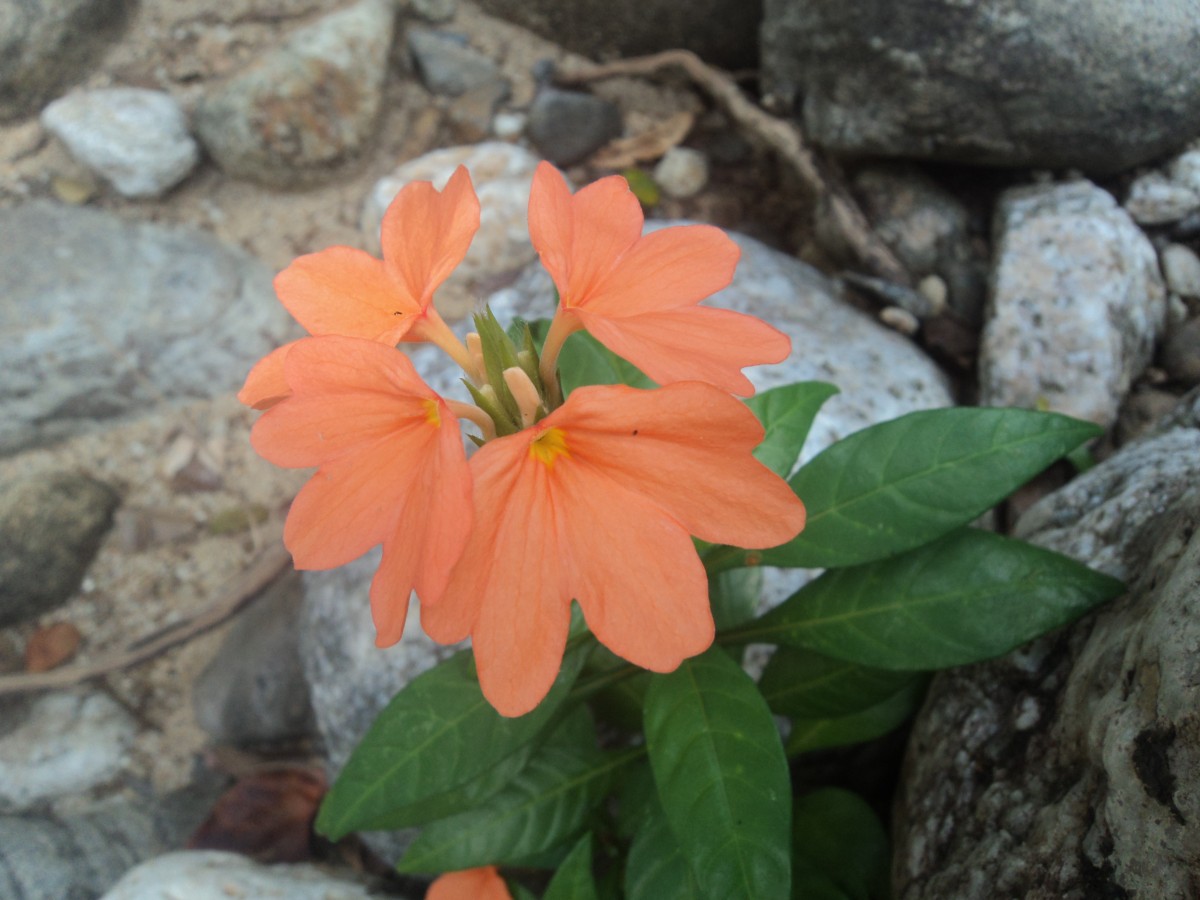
point(433, 415)
point(549, 446)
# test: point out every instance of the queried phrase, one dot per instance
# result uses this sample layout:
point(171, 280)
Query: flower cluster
point(593, 498)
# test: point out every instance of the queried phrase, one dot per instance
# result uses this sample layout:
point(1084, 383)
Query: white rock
point(136, 139)
point(1158, 197)
point(215, 875)
point(68, 743)
point(682, 172)
point(1076, 303)
point(501, 174)
point(1181, 269)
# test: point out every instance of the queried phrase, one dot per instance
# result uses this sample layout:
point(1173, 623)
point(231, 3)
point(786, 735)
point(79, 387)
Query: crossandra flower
point(391, 470)
point(597, 502)
point(342, 290)
point(638, 294)
point(483, 883)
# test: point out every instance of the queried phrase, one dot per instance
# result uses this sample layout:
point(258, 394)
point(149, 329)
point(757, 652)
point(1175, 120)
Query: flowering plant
point(617, 471)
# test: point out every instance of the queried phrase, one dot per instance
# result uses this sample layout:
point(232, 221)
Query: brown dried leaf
point(646, 145)
point(50, 647)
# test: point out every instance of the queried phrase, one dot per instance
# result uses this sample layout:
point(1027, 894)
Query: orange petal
point(672, 267)
point(483, 883)
point(265, 385)
point(694, 343)
point(580, 237)
point(426, 233)
point(341, 290)
point(687, 448)
point(633, 569)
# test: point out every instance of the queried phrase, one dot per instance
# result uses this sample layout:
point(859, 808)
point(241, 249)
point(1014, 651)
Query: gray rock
point(1181, 353)
point(216, 875)
point(435, 10)
point(567, 126)
point(682, 172)
point(46, 44)
point(1102, 86)
point(1069, 769)
point(472, 115)
point(447, 65)
point(502, 174)
point(254, 691)
point(136, 139)
point(300, 112)
point(59, 745)
point(50, 529)
point(722, 32)
point(1181, 269)
point(1076, 303)
point(193, 316)
point(1160, 197)
point(79, 855)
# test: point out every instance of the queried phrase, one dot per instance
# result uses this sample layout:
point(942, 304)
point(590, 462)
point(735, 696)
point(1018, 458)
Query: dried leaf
point(646, 145)
point(50, 647)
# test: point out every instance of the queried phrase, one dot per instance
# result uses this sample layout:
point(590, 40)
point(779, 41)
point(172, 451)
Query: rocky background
point(1030, 169)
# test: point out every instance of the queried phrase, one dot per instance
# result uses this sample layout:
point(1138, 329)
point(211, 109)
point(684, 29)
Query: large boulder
point(1101, 86)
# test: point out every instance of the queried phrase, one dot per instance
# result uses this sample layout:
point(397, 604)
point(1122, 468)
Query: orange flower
point(341, 290)
point(391, 470)
point(597, 502)
point(483, 883)
point(638, 295)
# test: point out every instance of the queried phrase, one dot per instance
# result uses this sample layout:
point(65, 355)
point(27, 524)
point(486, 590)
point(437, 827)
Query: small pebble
point(900, 319)
point(682, 172)
point(1181, 269)
point(934, 289)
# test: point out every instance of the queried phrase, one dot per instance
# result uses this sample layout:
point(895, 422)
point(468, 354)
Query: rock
point(1161, 197)
point(136, 139)
point(216, 875)
point(79, 855)
point(682, 172)
point(1069, 768)
point(472, 114)
point(722, 32)
point(254, 691)
point(1181, 353)
point(193, 316)
point(435, 10)
point(447, 65)
point(929, 230)
point(1011, 82)
point(1142, 413)
point(502, 174)
point(298, 113)
point(46, 44)
point(59, 745)
point(50, 529)
point(1076, 303)
point(1181, 269)
point(567, 126)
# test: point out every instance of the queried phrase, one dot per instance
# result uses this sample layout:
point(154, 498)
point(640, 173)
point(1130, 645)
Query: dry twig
point(244, 588)
point(781, 136)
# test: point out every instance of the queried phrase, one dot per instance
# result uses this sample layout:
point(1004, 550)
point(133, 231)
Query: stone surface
point(1069, 769)
point(448, 65)
point(722, 32)
point(682, 172)
point(136, 139)
point(1163, 196)
point(297, 114)
point(501, 174)
point(1102, 86)
point(50, 529)
point(1076, 303)
point(435, 10)
point(567, 126)
point(193, 317)
point(46, 44)
point(215, 875)
point(61, 744)
point(1181, 269)
point(254, 691)
point(1181, 353)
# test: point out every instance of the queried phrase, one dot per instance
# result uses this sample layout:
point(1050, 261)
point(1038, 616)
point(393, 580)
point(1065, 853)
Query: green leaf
point(904, 483)
point(573, 880)
point(807, 685)
point(734, 595)
point(787, 414)
point(722, 777)
point(584, 360)
point(437, 735)
point(838, 835)
point(865, 725)
point(520, 892)
point(546, 804)
point(656, 868)
point(970, 596)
